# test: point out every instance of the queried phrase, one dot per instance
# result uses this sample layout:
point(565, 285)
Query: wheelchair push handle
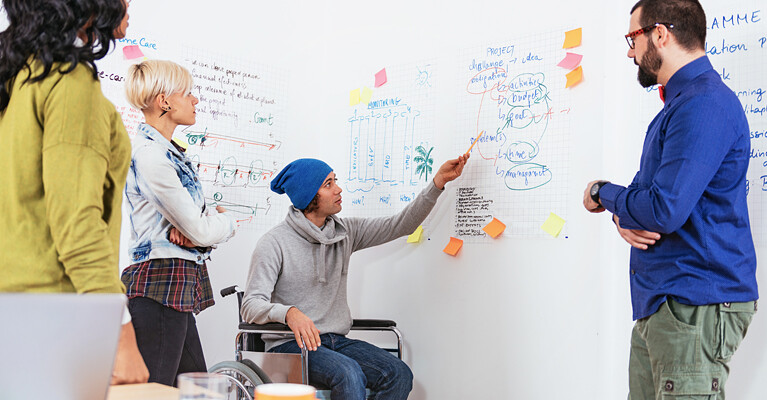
point(228, 290)
point(234, 290)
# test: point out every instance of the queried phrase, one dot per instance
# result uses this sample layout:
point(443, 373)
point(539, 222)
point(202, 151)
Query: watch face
point(594, 189)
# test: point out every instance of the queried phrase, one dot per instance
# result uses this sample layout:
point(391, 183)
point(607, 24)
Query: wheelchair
point(249, 375)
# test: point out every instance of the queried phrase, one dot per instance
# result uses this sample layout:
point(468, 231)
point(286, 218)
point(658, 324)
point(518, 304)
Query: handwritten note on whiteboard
point(391, 150)
point(515, 92)
point(236, 142)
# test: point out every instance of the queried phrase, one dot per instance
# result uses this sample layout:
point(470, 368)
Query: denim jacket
point(163, 191)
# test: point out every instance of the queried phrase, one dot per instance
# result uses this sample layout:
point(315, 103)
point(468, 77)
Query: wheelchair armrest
point(373, 323)
point(356, 324)
point(272, 326)
point(277, 328)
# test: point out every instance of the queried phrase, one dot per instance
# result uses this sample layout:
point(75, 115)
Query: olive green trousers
point(682, 352)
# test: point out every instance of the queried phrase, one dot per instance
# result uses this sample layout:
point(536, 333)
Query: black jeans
point(167, 339)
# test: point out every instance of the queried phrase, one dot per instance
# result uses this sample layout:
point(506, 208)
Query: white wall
point(522, 318)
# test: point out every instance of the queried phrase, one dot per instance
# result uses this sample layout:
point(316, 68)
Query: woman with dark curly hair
point(64, 158)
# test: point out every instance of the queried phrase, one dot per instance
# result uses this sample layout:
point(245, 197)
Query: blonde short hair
point(150, 78)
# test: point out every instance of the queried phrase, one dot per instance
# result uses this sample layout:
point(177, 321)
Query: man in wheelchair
point(298, 277)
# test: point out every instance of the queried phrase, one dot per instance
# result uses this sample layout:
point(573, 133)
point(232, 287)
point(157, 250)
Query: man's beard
point(647, 73)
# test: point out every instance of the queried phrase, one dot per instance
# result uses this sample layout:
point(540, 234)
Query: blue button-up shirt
point(691, 188)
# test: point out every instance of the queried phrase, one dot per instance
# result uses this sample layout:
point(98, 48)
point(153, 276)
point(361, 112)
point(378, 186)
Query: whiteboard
point(236, 142)
point(523, 316)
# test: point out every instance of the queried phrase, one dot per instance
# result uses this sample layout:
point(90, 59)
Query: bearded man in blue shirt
point(693, 265)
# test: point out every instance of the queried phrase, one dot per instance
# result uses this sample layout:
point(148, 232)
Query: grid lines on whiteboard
point(238, 136)
point(519, 167)
point(390, 139)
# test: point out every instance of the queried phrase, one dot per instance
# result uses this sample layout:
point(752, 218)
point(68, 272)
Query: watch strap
point(595, 195)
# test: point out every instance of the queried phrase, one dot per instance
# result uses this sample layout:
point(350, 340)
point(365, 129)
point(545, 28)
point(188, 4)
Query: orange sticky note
point(494, 228)
point(573, 38)
point(454, 246)
point(553, 225)
point(366, 94)
point(354, 97)
point(574, 77)
point(415, 237)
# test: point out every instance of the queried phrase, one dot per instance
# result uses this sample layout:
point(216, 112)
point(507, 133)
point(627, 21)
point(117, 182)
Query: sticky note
point(574, 77)
point(553, 225)
point(454, 246)
point(132, 52)
point(354, 97)
point(415, 237)
point(366, 94)
point(570, 61)
point(494, 228)
point(181, 143)
point(381, 77)
point(572, 38)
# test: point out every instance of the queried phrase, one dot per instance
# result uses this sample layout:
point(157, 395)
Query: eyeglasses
point(631, 35)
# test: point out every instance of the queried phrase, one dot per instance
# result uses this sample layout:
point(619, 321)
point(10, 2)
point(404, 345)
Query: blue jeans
point(347, 366)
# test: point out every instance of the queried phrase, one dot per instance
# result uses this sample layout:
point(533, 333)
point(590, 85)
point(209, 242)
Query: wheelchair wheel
point(260, 372)
point(242, 373)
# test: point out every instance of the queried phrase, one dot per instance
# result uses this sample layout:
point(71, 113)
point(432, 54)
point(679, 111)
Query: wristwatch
point(594, 191)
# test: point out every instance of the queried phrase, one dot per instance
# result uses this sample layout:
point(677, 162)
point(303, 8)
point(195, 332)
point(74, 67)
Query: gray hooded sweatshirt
point(298, 264)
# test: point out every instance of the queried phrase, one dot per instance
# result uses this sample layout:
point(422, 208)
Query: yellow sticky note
point(553, 225)
point(367, 93)
point(454, 246)
point(573, 38)
point(574, 77)
point(354, 97)
point(181, 143)
point(494, 228)
point(415, 237)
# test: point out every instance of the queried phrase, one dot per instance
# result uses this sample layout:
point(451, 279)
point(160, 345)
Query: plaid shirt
point(179, 284)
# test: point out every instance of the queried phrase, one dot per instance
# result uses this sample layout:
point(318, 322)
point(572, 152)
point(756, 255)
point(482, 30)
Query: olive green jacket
point(64, 156)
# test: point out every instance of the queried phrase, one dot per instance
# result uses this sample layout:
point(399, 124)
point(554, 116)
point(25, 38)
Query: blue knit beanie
point(301, 180)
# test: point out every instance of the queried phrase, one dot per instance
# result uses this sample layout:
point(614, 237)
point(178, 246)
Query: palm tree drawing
point(423, 162)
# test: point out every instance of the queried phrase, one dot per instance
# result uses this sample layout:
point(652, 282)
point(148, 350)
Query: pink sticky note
point(381, 77)
point(570, 61)
point(131, 52)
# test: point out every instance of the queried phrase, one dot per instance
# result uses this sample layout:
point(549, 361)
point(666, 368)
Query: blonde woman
point(172, 230)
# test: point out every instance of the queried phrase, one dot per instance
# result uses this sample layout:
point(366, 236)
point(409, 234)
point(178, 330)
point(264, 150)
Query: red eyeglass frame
point(631, 35)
